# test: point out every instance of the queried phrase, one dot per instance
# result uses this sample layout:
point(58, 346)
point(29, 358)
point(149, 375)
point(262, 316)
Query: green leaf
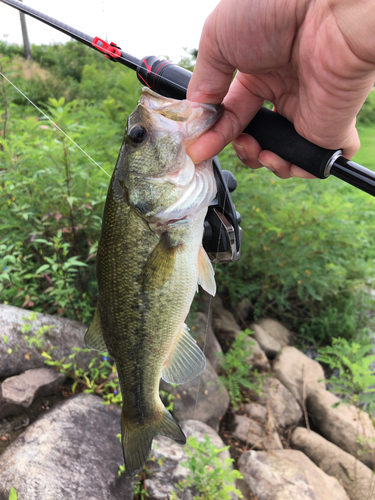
point(42, 268)
point(71, 200)
point(13, 494)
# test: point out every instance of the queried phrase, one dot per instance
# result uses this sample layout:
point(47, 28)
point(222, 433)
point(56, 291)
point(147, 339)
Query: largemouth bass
point(150, 261)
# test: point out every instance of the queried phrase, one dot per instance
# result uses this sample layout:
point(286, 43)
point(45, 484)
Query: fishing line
point(205, 339)
point(101, 168)
point(55, 125)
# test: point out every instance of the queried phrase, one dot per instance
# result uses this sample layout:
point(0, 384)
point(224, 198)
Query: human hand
point(314, 60)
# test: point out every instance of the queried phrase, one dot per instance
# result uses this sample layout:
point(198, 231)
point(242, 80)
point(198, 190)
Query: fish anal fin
point(94, 336)
point(206, 273)
point(186, 360)
point(159, 266)
point(137, 440)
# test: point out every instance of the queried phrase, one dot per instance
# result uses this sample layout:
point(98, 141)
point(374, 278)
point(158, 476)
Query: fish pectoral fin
point(206, 273)
point(94, 337)
point(137, 440)
point(186, 360)
point(160, 264)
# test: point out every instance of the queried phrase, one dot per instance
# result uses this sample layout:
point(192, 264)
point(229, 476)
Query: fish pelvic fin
point(137, 440)
point(94, 336)
point(206, 273)
point(186, 360)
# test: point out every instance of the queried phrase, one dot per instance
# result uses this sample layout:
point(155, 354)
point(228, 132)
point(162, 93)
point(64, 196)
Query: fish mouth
point(196, 118)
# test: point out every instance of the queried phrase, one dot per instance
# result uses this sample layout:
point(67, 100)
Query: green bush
point(354, 361)
point(69, 70)
point(366, 116)
point(211, 478)
point(35, 82)
point(51, 206)
point(308, 247)
point(308, 252)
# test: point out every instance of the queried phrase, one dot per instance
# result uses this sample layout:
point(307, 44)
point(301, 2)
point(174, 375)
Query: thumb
point(209, 84)
point(212, 74)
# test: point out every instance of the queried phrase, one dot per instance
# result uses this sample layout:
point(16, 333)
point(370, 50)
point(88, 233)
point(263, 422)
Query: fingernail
point(267, 165)
point(240, 151)
point(238, 146)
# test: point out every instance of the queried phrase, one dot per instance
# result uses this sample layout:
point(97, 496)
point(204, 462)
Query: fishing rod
point(273, 132)
point(222, 232)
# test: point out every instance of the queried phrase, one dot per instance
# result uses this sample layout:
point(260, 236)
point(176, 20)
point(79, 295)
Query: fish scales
point(150, 260)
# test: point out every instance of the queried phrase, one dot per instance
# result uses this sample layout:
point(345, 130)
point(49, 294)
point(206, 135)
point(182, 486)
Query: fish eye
point(137, 134)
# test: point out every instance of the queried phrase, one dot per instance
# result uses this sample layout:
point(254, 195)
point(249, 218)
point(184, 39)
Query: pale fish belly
point(163, 321)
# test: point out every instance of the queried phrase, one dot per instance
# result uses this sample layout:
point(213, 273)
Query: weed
point(101, 377)
point(13, 494)
point(207, 474)
point(37, 338)
point(168, 399)
point(356, 381)
point(239, 378)
point(140, 492)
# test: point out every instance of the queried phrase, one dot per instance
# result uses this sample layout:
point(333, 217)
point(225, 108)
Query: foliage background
point(308, 248)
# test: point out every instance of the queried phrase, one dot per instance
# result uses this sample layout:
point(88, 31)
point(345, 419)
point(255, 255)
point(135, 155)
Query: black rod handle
point(277, 134)
point(273, 132)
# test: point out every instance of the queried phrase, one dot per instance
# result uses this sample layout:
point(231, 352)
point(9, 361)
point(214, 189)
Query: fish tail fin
point(137, 440)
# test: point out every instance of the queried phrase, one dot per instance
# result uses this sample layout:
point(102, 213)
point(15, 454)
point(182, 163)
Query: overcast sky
point(141, 28)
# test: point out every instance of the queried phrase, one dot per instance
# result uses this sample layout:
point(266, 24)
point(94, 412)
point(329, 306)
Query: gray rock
point(70, 453)
point(227, 329)
point(287, 474)
point(203, 333)
point(256, 357)
point(256, 412)
point(18, 392)
point(256, 435)
point(298, 373)
point(281, 402)
point(203, 398)
point(163, 477)
point(223, 321)
point(346, 426)
point(271, 335)
point(269, 345)
point(277, 330)
point(243, 487)
point(242, 312)
point(357, 479)
point(65, 335)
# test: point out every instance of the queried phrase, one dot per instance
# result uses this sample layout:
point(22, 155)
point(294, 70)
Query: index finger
point(240, 107)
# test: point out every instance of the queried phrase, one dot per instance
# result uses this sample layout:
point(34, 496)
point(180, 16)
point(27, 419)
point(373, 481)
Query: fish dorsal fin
point(206, 273)
point(186, 360)
point(160, 264)
point(94, 337)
